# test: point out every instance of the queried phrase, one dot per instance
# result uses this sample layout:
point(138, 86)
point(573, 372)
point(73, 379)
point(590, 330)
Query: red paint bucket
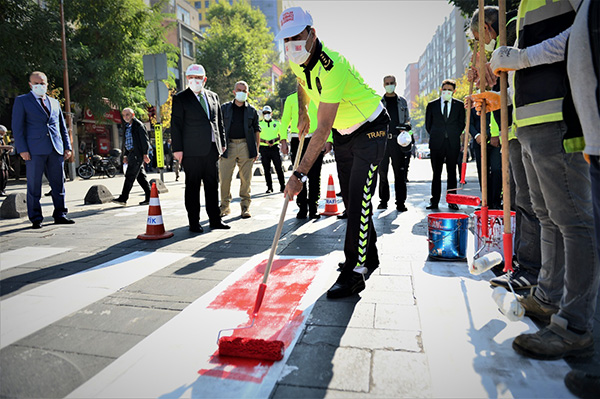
point(496, 229)
point(447, 235)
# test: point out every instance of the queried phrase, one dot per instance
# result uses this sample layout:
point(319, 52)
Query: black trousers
point(308, 199)
point(268, 155)
point(358, 156)
point(447, 156)
point(394, 153)
point(198, 171)
point(135, 171)
point(494, 177)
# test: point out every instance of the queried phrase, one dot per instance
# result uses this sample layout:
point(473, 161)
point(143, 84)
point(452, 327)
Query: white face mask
point(40, 90)
point(241, 96)
point(267, 117)
point(296, 51)
point(390, 89)
point(491, 46)
point(446, 95)
point(196, 85)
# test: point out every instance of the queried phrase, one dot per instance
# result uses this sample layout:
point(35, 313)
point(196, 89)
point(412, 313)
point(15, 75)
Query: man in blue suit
point(42, 140)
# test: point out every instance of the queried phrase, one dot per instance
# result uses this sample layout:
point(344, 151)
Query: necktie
point(445, 110)
point(44, 106)
point(202, 103)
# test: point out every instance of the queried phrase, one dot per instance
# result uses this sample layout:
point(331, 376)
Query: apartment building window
point(199, 16)
point(198, 5)
point(206, 3)
point(188, 48)
point(183, 14)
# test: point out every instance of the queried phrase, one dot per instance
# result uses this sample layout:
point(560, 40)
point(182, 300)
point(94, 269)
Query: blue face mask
point(390, 89)
point(446, 95)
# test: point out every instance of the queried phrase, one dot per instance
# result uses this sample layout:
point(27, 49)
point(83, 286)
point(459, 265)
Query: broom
point(251, 347)
point(451, 198)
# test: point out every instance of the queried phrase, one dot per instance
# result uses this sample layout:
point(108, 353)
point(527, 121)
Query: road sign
point(155, 67)
point(158, 140)
point(153, 88)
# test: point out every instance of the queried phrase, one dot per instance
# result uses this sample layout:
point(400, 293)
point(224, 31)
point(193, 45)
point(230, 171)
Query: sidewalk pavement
point(420, 329)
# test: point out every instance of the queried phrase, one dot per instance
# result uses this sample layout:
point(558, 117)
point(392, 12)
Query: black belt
point(271, 142)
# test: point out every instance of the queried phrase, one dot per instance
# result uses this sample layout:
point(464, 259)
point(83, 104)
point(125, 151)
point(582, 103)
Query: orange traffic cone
point(155, 229)
point(330, 201)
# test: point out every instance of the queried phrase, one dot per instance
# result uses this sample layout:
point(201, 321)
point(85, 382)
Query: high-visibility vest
point(539, 90)
point(269, 132)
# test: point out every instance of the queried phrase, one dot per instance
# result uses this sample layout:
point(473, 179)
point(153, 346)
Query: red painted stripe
point(278, 317)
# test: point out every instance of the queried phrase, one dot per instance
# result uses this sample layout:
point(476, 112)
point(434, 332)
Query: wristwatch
point(301, 176)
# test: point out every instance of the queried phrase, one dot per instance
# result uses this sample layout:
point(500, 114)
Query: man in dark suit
point(42, 140)
point(444, 121)
point(198, 141)
point(136, 145)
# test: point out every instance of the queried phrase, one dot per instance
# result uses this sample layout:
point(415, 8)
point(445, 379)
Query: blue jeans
point(527, 231)
point(560, 189)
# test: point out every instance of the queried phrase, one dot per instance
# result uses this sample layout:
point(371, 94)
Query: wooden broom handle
point(504, 121)
point(483, 125)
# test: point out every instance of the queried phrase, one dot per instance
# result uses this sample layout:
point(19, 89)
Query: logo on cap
point(287, 17)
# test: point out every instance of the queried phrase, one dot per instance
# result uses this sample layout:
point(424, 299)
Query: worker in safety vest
point(346, 104)
point(269, 148)
point(528, 259)
point(559, 183)
point(307, 200)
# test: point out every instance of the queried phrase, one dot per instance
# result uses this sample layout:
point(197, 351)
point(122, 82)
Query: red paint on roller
point(470, 200)
point(251, 348)
point(278, 320)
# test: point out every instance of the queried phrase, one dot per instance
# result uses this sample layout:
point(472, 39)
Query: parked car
point(423, 151)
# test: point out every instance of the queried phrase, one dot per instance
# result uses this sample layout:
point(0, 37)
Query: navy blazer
point(251, 126)
point(438, 128)
point(191, 129)
point(35, 132)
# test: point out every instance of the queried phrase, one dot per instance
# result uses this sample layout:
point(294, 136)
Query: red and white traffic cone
point(331, 207)
point(155, 229)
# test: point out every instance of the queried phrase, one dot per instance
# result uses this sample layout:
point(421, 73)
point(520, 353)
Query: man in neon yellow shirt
point(269, 148)
point(307, 200)
point(354, 110)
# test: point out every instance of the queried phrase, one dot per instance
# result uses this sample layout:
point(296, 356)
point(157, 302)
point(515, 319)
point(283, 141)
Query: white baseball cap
point(195, 69)
point(293, 21)
point(404, 139)
point(266, 108)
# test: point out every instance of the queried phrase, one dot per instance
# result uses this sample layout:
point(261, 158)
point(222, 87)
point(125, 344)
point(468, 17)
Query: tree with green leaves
point(106, 40)
point(237, 46)
point(468, 7)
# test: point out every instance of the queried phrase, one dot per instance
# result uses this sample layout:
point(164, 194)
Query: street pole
point(158, 120)
point(68, 114)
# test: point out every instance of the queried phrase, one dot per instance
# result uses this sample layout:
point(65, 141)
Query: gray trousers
point(559, 184)
point(527, 231)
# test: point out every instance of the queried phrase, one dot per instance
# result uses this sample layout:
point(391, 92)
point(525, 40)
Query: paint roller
point(508, 304)
point(254, 348)
point(507, 235)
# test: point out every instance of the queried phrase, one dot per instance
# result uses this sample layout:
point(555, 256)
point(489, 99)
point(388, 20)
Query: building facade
point(411, 83)
point(271, 8)
point(446, 56)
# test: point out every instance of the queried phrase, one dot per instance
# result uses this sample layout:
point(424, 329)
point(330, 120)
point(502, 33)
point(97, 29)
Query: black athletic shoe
point(519, 279)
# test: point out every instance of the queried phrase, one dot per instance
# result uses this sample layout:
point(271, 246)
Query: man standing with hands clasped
point(354, 110)
point(42, 140)
point(198, 141)
point(444, 121)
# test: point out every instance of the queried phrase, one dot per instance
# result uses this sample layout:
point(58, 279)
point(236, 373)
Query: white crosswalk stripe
point(26, 255)
point(37, 308)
